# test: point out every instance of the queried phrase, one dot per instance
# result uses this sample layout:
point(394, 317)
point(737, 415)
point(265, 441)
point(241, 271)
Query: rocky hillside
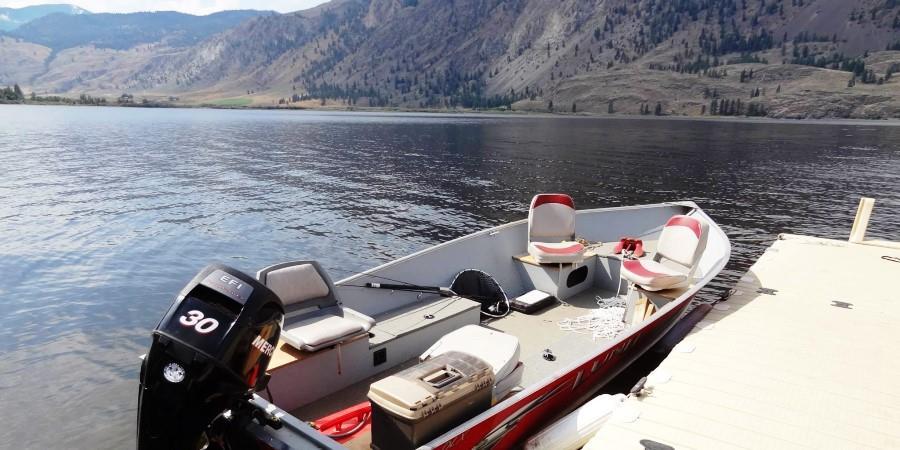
point(781, 58)
point(74, 54)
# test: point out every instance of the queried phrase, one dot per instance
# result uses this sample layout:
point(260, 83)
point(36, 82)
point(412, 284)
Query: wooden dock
point(804, 355)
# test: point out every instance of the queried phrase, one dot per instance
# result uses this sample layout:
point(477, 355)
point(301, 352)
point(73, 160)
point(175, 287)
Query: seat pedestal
point(640, 303)
point(559, 280)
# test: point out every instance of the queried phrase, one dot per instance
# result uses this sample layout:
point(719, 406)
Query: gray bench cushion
point(321, 331)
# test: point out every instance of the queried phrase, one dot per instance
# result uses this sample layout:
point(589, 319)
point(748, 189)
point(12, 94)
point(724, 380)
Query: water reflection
point(107, 212)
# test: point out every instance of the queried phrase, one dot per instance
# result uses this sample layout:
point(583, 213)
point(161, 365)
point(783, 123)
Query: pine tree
point(609, 107)
point(573, 108)
point(658, 109)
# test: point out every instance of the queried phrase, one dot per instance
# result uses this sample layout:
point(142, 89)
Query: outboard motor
point(209, 354)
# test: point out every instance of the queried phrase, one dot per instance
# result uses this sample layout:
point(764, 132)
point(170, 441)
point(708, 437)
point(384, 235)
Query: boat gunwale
point(487, 231)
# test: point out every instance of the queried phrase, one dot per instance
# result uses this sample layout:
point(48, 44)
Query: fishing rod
point(351, 273)
point(442, 291)
point(491, 304)
point(403, 286)
point(439, 290)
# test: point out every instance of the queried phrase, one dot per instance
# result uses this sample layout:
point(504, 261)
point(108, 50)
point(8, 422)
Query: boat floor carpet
point(539, 332)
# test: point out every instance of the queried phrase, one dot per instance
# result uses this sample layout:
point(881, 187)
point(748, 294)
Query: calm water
point(106, 212)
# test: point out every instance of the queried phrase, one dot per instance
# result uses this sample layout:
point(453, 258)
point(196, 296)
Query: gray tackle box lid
point(428, 387)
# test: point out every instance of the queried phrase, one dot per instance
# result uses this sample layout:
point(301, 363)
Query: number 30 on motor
point(196, 319)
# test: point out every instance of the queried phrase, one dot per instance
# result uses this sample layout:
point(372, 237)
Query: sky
point(198, 7)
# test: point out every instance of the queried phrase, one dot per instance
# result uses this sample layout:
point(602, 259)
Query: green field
point(232, 102)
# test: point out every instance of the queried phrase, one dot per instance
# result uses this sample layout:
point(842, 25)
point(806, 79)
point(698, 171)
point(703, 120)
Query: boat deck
point(541, 331)
point(805, 356)
point(536, 332)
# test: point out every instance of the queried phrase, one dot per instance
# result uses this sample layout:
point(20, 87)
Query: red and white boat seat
point(678, 253)
point(498, 349)
point(314, 318)
point(551, 230)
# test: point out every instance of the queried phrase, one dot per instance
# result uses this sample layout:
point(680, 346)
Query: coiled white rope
point(605, 322)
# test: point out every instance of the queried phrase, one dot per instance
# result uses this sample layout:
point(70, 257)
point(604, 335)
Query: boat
point(473, 343)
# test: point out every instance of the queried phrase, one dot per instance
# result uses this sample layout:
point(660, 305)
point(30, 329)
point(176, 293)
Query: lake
point(107, 212)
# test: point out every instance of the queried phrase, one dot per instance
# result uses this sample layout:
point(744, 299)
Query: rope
point(891, 258)
point(605, 322)
point(588, 245)
point(339, 359)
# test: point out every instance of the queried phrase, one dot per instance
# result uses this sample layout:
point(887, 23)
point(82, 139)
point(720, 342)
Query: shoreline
point(487, 113)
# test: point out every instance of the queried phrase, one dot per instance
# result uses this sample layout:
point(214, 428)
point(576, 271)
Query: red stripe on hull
point(515, 423)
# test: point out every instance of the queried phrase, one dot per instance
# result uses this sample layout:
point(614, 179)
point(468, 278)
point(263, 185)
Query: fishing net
point(483, 288)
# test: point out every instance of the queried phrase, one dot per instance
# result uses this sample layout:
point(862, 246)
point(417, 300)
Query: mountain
point(786, 58)
point(124, 31)
point(779, 58)
point(11, 18)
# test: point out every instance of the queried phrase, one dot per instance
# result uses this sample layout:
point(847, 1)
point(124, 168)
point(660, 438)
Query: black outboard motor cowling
point(209, 353)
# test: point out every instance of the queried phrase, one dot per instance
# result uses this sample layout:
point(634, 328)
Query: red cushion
point(574, 248)
point(562, 199)
point(634, 266)
point(685, 221)
point(651, 275)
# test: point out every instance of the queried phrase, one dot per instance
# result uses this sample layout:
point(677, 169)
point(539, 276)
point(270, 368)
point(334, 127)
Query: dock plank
point(806, 356)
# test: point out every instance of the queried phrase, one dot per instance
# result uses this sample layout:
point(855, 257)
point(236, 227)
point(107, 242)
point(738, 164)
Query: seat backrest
point(551, 218)
point(300, 285)
point(682, 241)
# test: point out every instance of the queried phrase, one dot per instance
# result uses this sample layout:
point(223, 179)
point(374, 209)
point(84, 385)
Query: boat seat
point(651, 275)
point(678, 252)
point(498, 349)
point(314, 317)
point(325, 328)
point(556, 252)
point(551, 230)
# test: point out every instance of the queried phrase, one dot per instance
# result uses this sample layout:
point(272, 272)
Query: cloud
point(187, 6)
